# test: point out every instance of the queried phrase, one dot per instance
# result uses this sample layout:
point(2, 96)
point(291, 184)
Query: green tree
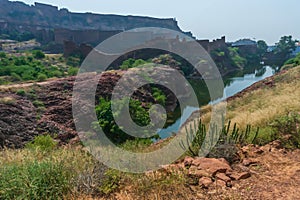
point(285, 46)
point(262, 47)
point(138, 113)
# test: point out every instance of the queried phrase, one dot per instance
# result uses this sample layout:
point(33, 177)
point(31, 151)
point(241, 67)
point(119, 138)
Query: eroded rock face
point(21, 120)
point(17, 120)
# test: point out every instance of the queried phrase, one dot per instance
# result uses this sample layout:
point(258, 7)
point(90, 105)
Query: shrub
point(42, 142)
point(55, 73)
point(288, 129)
point(61, 173)
point(159, 96)
point(28, 75)
point(111, 181)
point(106, 120)
point(34, 180)
point(41, 77)
point(72, 71)
point(21, 92)
point(225, 144)
point(15, 77)
point(132, 63)
point(38, 54)
point(73, 61)
point(2, 55)
point(38, 103)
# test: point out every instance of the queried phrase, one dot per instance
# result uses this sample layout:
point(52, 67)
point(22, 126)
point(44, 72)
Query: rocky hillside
point(38, 108)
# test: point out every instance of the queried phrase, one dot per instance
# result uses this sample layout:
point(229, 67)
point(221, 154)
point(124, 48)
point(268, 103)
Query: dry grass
point(260, 107)
point(85, 173)
point(7, 100)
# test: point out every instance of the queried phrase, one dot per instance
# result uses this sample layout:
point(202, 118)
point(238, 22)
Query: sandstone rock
point(205, 182)
point(240, 176)
point(188, 161)
point(242, 168)
point(221, 183)
point(224, 160)
point(194, 171)
point(249, 161)
point(212, 165)
point(258, 151)
point(223, 177)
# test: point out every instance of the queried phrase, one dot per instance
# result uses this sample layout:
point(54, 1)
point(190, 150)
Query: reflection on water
point(232, 87)
point(237, 84)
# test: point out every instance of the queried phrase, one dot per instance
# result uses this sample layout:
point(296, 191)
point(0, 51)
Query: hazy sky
point(259, 19)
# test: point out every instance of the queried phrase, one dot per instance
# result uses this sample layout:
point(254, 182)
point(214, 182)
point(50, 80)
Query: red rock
point(188, 161)
point(194, 171)
point(205, 182)
point(259, 151)
point(212, 165)
point(249, 161)
point(240, 176)
point(223, 177)
point(224, 160)
point(221, 183)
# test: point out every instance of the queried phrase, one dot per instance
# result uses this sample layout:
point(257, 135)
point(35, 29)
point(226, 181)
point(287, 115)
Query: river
point(232, 86)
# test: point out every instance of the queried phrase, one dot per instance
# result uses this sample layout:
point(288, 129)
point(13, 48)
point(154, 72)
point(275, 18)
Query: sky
point(206, 19)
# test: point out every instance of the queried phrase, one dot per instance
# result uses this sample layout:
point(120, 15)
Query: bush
point(288, 129)
point(42, 142)
point(55, 73)
point(2, 55)
point(38, 54)
point(15, 77)
point(34, 180)
point(111, 181)
point(41, 77)
point(132, 63)
point(159, 96)
point(73, 61)
point(38, 103)
point(72, 71)
point(62, 173)
point(106, 120)
point(21, 92)
point(293, 61)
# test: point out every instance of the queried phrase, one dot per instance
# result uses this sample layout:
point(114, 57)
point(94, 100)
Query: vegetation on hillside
point(35, 66)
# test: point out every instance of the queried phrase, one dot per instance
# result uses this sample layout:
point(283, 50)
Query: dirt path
point(25, 85)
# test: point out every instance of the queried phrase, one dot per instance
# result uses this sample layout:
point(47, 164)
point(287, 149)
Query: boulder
point(239, 176)
point(223, 177)
point(205, 182)
point(212, 165)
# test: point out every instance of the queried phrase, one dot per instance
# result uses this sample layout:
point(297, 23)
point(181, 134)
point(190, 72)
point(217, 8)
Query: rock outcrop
point(46, 107)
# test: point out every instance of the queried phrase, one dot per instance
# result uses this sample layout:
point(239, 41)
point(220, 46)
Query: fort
point(48, 23)
point(215, 44)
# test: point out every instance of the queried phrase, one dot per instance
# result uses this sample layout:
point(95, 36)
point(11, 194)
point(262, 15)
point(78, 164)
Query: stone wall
point(215, 44)
point(92, 37)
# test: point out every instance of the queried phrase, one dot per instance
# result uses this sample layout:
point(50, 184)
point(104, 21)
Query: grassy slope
point(262, 103)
